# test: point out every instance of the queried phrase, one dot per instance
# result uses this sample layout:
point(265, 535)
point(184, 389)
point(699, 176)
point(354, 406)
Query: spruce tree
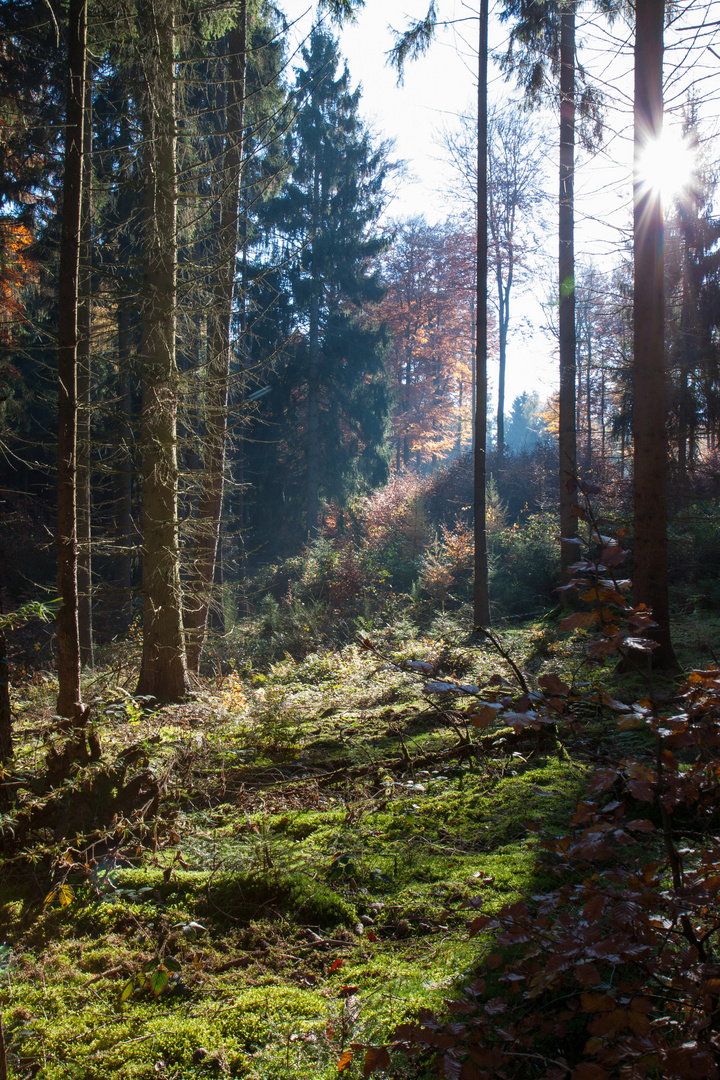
point(327, 218)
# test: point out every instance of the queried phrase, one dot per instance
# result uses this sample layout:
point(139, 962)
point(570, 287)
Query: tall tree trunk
point(567, 439)
point(473, 347)
point(124, 530)
point(6, 747)
point(503, 291)
point(203, 571)
point(481, 600)
point(650, 584)
point(313, 450)
point(84, 518)
point(588, 394)
point(313, 422)
point(162, 673)
point(69, 704)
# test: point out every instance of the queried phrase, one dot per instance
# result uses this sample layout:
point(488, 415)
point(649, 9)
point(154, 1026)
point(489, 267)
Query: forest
point(359, 691)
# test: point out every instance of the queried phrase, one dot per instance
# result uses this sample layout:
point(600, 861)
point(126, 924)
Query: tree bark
point(84, 517)
point(503, 291)
point(481, 600)
point(124, 529)
point(69, 703)
point(163, 673)
point(650, 583)
point(6, 747)
point(313, 436)
point(203, 572)
point(567, 439)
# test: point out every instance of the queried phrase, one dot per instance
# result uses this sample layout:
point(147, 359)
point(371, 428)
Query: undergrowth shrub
point(524, 565)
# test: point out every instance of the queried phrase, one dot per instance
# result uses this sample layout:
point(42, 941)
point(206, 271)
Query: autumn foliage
point(429, 311)
point(17, 270)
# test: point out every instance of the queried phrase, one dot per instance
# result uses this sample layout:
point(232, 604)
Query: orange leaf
point(485, 716)
point(344, 1060)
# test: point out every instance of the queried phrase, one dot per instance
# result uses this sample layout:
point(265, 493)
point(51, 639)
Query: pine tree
point(326, 217)
point(650, 580)
point(163, 672)
point(69, 703)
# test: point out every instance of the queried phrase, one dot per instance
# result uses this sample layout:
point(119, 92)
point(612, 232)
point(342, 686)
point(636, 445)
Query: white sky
point(442, 84)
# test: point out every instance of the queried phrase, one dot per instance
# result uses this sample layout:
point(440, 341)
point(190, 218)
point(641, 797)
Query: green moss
point(246, 895)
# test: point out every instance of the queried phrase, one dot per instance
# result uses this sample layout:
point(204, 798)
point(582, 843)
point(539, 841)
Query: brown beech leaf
point(604, 595)
point(596, 1002)
point(478, 924)
point(553, 684)
point(690, 1061)
point(579, 619)
point(485, 716)
point(642, 644)
point(589, 1070)
point(376, 1058)
point(627, 723)
point(607, 1024)
point(450, 1067)
point(605, 646)
point(345, 1059)
point(616, 706)
point(640, 825)
point(594, 908)
point(641, 790)
point(613, 555)
point(587, 975)
point(588, 487)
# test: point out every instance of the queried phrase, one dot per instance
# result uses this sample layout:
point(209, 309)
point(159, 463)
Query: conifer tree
point(326, 217)
point(163, 671)
point(69, 705)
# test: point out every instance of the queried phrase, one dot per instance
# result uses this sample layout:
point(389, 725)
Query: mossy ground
point(299, 891)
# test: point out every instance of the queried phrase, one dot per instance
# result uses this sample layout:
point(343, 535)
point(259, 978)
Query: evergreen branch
point(414, 42)
point(342, 11)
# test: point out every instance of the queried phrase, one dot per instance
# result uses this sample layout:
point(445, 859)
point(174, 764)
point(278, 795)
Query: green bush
point(524, 565)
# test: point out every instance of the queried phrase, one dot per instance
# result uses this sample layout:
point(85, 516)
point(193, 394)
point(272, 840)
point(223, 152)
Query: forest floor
point(305, 882)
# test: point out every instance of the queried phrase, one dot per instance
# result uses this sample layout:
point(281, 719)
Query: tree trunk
point(503, 291)
point(162, 674)
point(6, 748)
point(84, 518)
point(481, 601)
point(203, 572)
point(69, 704)
point(650, 584)
point(313, 451)
point(313, 422)
point(124, 531)
point(567, 440)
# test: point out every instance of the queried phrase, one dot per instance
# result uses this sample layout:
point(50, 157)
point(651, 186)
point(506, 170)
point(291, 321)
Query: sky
point(442, 84)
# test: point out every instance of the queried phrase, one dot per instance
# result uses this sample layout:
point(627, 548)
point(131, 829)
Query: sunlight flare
point(668, 165)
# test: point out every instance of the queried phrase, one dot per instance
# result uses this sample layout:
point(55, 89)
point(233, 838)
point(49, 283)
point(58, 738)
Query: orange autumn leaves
point(429, 309)
point(18, 270)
